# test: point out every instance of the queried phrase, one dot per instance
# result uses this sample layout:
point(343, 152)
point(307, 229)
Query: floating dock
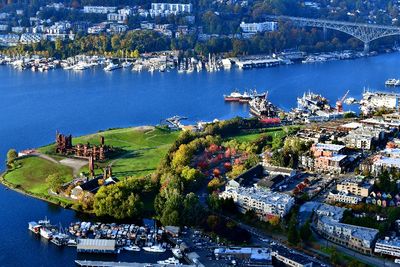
point(86, 263)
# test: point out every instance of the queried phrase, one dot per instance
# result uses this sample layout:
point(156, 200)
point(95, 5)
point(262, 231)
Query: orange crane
point(339, 103)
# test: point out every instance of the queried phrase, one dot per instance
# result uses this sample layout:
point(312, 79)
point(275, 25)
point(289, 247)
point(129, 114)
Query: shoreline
point(51, 198)
point(9, 186)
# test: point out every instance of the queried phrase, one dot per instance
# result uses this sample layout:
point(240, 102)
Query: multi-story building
point(327, 150)
point(334, 165)
point(165, 9)
point(343, 197)
point(388, 246)
point(364, 137)
point(120, 18)
point(355, 186)
point(328, 158)
point(30, 38)
point(265, 203)
point(99, 9)
point(382, 163)
point(268, 26)
point(355, 237)
point(329, 226)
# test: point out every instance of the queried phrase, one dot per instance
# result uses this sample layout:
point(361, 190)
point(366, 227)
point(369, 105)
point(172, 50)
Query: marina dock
point(87, 263)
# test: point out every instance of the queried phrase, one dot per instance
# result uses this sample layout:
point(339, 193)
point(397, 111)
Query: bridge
point(366, 33)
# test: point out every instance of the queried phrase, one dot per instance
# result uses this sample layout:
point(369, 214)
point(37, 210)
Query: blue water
point(34, 105)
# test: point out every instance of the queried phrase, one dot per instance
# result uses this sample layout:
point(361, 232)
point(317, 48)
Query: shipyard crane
point(339, 103)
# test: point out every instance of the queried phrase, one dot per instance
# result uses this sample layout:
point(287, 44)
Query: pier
point(87, 263)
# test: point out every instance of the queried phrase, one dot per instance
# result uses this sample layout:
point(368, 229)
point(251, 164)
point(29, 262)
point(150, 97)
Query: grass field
point(275, 132)
point(31, 173)
point(143, 148)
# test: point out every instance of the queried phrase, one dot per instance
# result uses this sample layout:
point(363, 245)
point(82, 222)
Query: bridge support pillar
point(366, 47)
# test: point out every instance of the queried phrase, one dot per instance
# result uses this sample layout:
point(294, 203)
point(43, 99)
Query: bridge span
point(362, 31)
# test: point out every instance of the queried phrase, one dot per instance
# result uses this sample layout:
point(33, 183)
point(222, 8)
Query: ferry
point(177, 252)
point(155, 249)
point(112, 66)
point(236, 96)
point(170, 261)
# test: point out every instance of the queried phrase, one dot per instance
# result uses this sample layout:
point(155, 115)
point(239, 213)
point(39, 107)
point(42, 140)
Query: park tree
point(11, 157)
point(54, 182)
point(118, 200)
point(293, 234)
point(305, 232)
point(192, 210)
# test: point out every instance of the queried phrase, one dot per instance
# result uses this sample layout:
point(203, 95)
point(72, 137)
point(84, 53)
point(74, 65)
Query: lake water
point(34, 105)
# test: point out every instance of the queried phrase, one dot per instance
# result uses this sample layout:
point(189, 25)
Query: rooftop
point(392, 162)
point(268, 197)
point(363, 233)
point(395, 242)
point(96, 244)
point(330, 147)
point(336, 213)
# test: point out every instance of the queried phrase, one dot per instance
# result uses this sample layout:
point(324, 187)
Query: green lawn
point(143, 148)
point(31, 174)
point(249, 137)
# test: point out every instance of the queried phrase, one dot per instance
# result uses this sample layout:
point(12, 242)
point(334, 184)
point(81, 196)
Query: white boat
point(155, 249)
point(137, 67)
point(80, 66)
point(177, 252)
point(132, 248)
point(392, 82)
point(350, 101)
point(170, 261)
point(112, 66)
point(126, 64)
point(46, 233)
point(34, 227)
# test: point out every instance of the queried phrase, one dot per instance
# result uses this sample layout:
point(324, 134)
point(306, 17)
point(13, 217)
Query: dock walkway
point(87, 263)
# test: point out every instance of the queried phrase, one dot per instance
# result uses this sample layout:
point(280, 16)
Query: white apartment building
point(99, 9)
point(268, 26)
point(343, 197)
point(264, 203)
point(165, 9)
point(388, 246)
point(120, 18)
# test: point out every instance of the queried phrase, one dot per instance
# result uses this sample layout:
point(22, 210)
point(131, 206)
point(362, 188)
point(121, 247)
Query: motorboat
point(132, 248)
point(170, 261)
point(177, 252)
point(155, 249)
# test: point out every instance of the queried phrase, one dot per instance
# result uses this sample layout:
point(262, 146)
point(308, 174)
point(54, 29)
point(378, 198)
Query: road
point(374, 261)
point(262, 239)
